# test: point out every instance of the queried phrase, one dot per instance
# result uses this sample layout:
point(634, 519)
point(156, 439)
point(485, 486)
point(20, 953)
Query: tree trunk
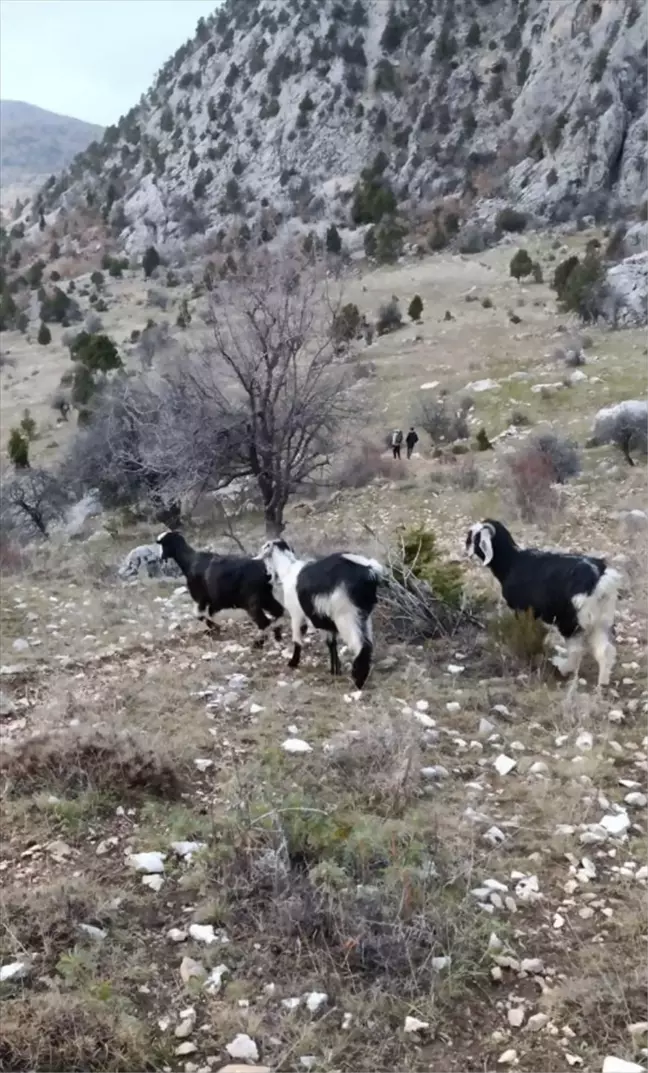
point(274, 523)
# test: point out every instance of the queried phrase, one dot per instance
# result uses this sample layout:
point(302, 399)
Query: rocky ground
point(208, 859)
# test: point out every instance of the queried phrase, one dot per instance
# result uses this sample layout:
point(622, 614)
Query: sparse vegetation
point(18, 448)
point(521, 265)
point(389, 317)
point(415, 308)
point(44, 336)
point(511, 220)
point(580, 286)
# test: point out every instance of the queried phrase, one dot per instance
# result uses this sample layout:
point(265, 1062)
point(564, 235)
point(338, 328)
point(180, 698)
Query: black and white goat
point(575, 593)
point(223, 582)
point(337, 594)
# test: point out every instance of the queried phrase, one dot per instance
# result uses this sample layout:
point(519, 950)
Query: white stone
point(620, 1065)
point(185, 1048)
point(214, 981)
point(190, 968)
point(203, 763)
point(516, 1017)
point(504, 764)
point(485, 728)
point(537, 1021)
point(584, 741)
point(92, 932)
point(20, 644)
point(412, 1024)
point(291, 1003)
point(422, 705)
point(14, 970)
point(203, 933)
point(615, 823)
point(508, 1058)
point(256, 709)
point(424, 719)
point(453, 706)
point(455, 668)
point(636, 799)
point(147, 862)
point(296, 745)
point(315, 1000)
point(185, 1028)
point(176, 935)
point(243, 1047)
point(187, 849)
point(154, 882)
point(494, 835)
point(482, 385)
point(534, 966)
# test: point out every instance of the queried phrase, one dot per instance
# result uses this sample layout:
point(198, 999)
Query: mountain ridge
point(265, 120)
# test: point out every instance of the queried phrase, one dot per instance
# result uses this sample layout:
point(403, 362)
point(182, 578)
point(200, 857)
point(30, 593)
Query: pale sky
point(91, 59)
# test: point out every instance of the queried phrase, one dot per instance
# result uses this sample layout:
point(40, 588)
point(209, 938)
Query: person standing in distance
point(411, 441)
point(397, 439)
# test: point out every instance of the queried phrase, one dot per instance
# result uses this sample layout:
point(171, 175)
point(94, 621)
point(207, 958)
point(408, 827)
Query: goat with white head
point(575, 593)
point(336, 594)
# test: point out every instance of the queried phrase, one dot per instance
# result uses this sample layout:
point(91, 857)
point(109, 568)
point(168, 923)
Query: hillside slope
point(35, 142)
point(271, 112)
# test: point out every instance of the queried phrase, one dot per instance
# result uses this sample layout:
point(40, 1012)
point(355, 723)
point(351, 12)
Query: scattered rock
point(537, 1021)
point(620, 1065)
point(504, 764)
point(14, 970)
point(516, 1016)
point(315, 1000)
point(214, 981)
point(203, 933)
point(508, 1058)
point(244, 1047)
point(155, 882)
point(150, 863)
point(190, 969)
point(412, 1024)
point(7, 706)
point(296, 745)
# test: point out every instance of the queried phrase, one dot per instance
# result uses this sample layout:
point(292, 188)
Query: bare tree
point(268, 401)
point(280, 365)
point(32, 501)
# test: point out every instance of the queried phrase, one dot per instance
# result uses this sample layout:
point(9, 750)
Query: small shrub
point(183, 320)
point(415, 308)
point(422, 558)
point(599, 64)
point(614, 251)
point(346, 323)
point(389, 317)
point(562, 273)
point(97, 279)
point(584, 289)
point(529, 476)
point(150, 261)
point(521, 634)
point(367, 464)
point(521, 265)
point(28, 426)
point(482, 440)
point(18, 449)
point(520, 419)
point(487, 303)
point(333, 240)
point(562, 454)
point(44, 336)
point(511, 220)
point(442, 422)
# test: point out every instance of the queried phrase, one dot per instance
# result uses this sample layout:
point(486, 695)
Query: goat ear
point(485, 543)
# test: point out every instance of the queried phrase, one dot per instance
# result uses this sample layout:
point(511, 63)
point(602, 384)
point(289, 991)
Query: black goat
point(223, 582)
point(575, 593)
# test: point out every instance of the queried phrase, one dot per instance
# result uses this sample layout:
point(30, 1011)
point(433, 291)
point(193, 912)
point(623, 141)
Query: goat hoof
point(293, 664)
point(258, 642)
point(277, 633)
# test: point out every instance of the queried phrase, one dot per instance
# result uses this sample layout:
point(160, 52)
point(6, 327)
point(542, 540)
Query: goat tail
point(598, 607)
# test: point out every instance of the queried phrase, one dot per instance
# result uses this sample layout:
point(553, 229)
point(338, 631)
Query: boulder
point(626, 302)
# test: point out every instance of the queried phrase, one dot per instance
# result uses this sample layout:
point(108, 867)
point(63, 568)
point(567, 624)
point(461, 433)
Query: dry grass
point(347, 869)
point(73, 761)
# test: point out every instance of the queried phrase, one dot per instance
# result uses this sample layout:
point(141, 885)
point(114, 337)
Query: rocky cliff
point(266, 118)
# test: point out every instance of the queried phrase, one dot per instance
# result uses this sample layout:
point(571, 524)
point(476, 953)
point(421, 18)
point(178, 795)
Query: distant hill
point(35, 143)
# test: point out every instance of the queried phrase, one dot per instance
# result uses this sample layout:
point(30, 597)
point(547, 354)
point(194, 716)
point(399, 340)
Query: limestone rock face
point(260, 126)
